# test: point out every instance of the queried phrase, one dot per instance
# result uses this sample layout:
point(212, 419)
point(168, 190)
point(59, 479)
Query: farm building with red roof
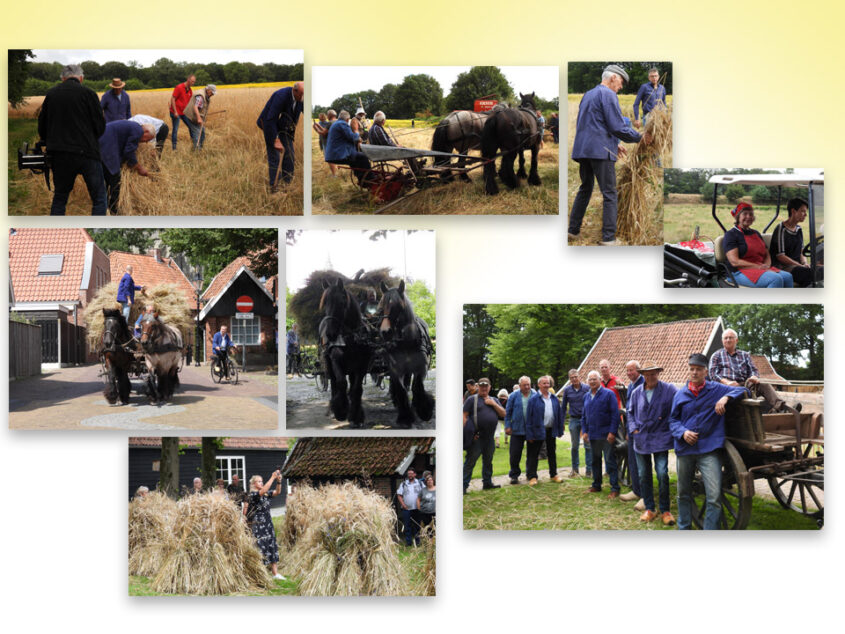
point(151, 269)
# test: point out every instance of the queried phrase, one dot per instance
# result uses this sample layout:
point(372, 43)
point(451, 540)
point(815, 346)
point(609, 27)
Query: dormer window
point(51, 264)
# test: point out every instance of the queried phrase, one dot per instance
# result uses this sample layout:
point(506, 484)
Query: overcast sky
point(330, 82)
point(407, 254)
point(147, 57)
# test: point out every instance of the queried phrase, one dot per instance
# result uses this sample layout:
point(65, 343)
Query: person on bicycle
point(220, 345)
point(292, 350)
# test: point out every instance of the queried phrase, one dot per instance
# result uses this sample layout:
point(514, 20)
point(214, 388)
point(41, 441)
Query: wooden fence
point(24, 349)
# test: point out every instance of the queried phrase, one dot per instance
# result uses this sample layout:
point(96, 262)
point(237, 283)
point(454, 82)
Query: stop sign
point(244, 304)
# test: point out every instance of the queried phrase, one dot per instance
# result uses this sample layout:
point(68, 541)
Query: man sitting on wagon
point(378, 135)
point(342, 147)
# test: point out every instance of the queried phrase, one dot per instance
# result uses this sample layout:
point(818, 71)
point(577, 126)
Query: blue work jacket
point(650, 421)
point(575, 399)
point(513, 413)
point(697, 413)
point(534, 427)
point(115, 107)
point(649, 96)
point(600, 126)
point(640, 380)
point(601, 414)
point(119, 144)
point(280, 112)
point(126, 289)
point(340, 142)
point(219, 341)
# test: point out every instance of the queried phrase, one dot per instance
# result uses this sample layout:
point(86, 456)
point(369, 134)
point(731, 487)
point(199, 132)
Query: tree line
point(420, 95)
point(505, 341)
point(582, 76)
point(695, 181)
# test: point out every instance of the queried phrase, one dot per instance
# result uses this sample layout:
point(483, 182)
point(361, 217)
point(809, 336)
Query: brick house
point(54, 274)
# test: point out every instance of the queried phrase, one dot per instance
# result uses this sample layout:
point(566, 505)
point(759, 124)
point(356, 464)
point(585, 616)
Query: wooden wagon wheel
point(737, 492)
point(803, 493)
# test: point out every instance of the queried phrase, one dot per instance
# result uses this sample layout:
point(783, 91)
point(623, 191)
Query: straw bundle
point(340, 542)
point(150, 532)
point(168, 299)
point(212, 551)
point(639, 184)
point(428, 584)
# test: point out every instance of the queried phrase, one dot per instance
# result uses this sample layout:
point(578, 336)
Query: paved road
point(307, 407)
point(71, 398)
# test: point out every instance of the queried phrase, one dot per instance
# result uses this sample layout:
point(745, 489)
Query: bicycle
point(217, 369)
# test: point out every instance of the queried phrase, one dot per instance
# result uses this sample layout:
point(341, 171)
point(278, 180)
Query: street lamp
point(198, 290)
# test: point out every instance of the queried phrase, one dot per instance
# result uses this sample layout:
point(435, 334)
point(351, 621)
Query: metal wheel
point(801, 492)
point(737, 492)
point(216, 371)
point(383, 381)
point(322, 382)
point(233, 373)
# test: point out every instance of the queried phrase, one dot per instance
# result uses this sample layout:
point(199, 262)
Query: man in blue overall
point(278, 122)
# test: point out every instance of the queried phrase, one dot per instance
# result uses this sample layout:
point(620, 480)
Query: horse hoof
point(534, 180)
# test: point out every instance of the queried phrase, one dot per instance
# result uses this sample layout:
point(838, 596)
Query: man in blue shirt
point(632, 371)
point(599, 426)
point(292, 351)
point(650, 94)
point(515, 415)
point(118, 145)
point(543, 423)
point(126, 292)
point(342, 147)
point(697, 423)
point(278, 122)
point(598, 130)
point(573, 397)
point(115, 102)
point(220, 345)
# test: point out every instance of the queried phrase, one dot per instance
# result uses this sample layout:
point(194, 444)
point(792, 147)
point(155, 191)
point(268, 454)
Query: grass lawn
point(20, 130)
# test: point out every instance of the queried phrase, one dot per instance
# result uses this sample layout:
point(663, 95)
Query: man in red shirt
point(178, 100)
point(608, 380)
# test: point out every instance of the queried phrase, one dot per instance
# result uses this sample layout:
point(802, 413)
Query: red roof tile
point(223, 277)
point(26, 246)
point(318, 456)
point(231, 442)
point(767, 370)
point(147, 271)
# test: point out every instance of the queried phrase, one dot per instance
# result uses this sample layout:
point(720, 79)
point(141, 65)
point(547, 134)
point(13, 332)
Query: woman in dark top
point(257, 511)
point(748, 256)
point(787, 248)
point(426, 501)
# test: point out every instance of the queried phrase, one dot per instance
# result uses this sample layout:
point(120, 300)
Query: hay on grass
point(339, 541)
point(168, 299)
point(212, 551)
point(428, 541)
point(639, 184)
point(151, 521)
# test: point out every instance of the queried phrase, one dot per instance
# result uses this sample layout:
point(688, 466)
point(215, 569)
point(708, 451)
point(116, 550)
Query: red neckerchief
point(695, 389)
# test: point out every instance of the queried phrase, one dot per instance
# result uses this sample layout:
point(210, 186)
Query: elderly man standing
point(278, 121)
point(543, 423)
point(126, 292)
point(598, 130)
point(651, 94)
point(697, 423)
point(649, 407)
point(632, 371)
point(516, 413)
point(70, 123)
point(342, 147)
point(195, 112)
point(178, 100)
point(599, 427)
point(115, 102)
point(117, 146)
point(485, 412)
point(573, 397)
point(730, 366)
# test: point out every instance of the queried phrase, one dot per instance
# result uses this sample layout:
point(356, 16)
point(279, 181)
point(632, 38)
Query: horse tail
point(489, 137)
point(440, 141)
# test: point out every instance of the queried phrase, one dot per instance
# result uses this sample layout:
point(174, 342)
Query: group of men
point(659, 418)
point(95, 137)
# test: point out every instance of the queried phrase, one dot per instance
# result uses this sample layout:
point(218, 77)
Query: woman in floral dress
point(257, 511)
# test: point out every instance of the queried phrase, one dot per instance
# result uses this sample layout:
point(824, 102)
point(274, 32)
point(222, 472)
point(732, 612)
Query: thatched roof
point(352, 457)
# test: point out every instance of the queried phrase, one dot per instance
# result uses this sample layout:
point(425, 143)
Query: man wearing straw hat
point(195, 112)
point(649, 406)
point(115, 102)
point(598, 132)
point(278, 121)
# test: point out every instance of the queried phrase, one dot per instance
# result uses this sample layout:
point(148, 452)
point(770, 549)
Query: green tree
point(422, 299)
point(236, 73)
point(131, 240)
point(734, 192)
point(387, 100)
point(18, 73)
point(706, 192)
point(417, 93)
point(114, 69)
point(477, 82)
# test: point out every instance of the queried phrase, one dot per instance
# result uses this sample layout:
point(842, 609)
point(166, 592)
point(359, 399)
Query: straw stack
point(151, 521)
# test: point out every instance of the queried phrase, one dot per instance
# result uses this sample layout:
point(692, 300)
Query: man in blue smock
point(598, 130)
point(649, 407)
point(126, 292)
point(632, 371)
point(573, 398)
point(515, 414)
point(697, 423)
point(278, 122)
point(543, 423)
point(221, 343)
point(342, 147)
point(599, 427)
point(115, 102)
point(651, 95)
point(118, 145)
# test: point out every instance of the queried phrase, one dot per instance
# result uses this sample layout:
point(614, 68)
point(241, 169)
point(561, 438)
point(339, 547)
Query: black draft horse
point(460, 130)
point(162, 345)
point(408, 346)
point(343, 351)
point(116, 356)
point(513, 130)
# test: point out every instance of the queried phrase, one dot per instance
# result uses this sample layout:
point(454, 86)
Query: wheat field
point(227, 177)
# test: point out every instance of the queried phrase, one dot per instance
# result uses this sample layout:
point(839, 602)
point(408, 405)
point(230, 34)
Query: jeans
point(533, 455)
point(604, 171)
point(273, 157)
point(196, 131)
point(65, 167)
point(411, 520)
point(125, 310)
point(661, 467)
point(633, 470)
point(112, 190)
point(483, 446)
point(174, 119)
point(161, 137)
point(710, 466)
point(517, 445)
point(769, 279)
point(222, 356)
point(602, 447)
point(575, 439)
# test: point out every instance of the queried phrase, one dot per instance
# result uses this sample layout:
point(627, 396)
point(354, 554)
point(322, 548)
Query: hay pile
point(151, 521)
point(639, 183)
point(211, 551)
point(428, 584)
point(340, 542)
point(305, 304)
point(169, 299)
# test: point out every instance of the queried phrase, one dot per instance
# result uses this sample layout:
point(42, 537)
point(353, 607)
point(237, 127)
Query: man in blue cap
point(278, 122)
point(598, 130)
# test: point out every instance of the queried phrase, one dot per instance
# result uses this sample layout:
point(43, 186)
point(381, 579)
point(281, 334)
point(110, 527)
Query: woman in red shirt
point(748, 254)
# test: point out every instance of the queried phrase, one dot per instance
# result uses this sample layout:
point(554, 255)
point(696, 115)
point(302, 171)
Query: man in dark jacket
point(118, 145)
point(70, 123)
point(278, 122)
point(599, 427)
point(543, 423)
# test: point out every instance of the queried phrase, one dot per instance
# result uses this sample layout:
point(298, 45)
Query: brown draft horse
point(162, 346)
point(513, 130)
point(116, 356)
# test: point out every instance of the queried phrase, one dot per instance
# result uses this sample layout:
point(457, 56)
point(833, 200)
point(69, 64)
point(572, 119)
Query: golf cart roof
point(772, 180)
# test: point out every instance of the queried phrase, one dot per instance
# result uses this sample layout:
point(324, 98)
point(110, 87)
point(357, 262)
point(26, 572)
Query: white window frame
point(227, 460)
point(254, 323)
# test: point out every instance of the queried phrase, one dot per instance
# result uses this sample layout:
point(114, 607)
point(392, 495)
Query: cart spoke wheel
point(322, 382)
point(805, 496)
point(621, 448)
point(736, 508)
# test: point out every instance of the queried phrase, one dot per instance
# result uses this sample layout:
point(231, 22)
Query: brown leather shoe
point(574, 474)
point(613, 495)
point(532, 482)
point(668, 520)
point(556, 479)
point(648, 516)
point(593, 490)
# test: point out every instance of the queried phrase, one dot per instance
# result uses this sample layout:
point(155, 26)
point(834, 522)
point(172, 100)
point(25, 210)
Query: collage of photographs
point(290, 448)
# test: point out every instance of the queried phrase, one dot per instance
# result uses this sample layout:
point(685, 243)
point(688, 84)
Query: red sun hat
point(740, 208)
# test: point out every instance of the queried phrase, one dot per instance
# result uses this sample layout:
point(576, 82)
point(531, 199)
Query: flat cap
point(615, 68)
point(698, 359)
